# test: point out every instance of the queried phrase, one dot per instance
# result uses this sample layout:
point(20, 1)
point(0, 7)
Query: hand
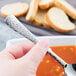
point(22, 59)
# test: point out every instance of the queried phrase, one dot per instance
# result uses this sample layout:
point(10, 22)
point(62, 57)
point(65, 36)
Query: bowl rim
point(49, 37)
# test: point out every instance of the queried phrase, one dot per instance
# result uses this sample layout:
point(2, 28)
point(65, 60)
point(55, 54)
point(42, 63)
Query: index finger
point(19, 50)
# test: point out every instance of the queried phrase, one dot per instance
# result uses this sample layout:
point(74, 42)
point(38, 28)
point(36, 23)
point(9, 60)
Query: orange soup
point(50, 67)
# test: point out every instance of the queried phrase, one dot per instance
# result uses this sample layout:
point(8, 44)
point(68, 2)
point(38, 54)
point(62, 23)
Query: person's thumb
point(36, 54)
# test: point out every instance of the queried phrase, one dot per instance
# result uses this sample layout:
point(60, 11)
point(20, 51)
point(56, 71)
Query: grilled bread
point(59, 20)
point(69, 9)
point(32, 10)
point(17, 9)
point(43, 4)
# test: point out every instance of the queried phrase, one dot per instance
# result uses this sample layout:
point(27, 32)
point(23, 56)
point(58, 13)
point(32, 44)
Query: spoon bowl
point(70, 70)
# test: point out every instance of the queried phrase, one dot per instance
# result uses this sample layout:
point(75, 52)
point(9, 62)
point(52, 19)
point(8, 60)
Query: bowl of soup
point(63, 46)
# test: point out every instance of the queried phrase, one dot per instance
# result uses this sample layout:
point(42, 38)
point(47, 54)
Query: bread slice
point(69, 9)
point(45, 22)
point(16, 9)
point(32, 11)
point(39, 19)
point(59, 20)
point(44, 4)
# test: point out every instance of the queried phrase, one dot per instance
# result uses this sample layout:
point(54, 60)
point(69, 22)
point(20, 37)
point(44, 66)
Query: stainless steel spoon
point(13, 22)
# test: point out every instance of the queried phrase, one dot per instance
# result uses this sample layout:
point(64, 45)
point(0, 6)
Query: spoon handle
point(14, 23)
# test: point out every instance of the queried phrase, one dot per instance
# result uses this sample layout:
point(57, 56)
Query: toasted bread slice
point(45, 22)
point(40, 17)
point(16, 9)
point(59, 20)
point(32, 10)
point(69, 9)
point(43, 4)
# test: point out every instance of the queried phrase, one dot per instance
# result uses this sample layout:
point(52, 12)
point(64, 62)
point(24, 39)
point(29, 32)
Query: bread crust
point(18, 14)
point(37, 23)
point(32, 10)
point(46, 5)
point(55, 27)
point(66, 10)
point(46, 25)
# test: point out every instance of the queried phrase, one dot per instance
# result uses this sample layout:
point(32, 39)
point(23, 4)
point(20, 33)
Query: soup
point(50, 67)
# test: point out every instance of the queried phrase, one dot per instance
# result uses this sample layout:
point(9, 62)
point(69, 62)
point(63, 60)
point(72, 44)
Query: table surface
point(7, 33)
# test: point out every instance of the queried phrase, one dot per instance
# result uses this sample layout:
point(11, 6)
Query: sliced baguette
point(40, 17)
point(59, 20)
point(45, 22)
point(16, 9)
point(32, 10)
point(69, 9)
point(43, 4)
